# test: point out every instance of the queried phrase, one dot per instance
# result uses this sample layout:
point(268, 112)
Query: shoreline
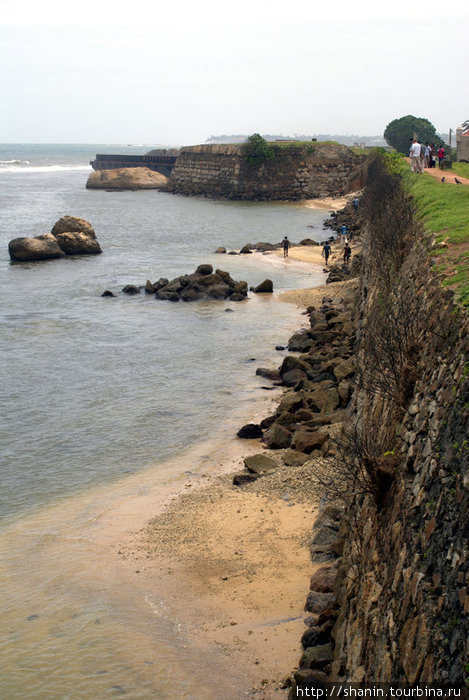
point(242, 634)
point(234, 562)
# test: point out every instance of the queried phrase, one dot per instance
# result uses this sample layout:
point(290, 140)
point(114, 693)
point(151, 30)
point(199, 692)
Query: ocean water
point(95, 391)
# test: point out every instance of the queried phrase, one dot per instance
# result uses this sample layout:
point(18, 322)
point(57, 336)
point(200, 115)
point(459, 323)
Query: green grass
point(460, 169)
point(443, 207)
point(444, 210)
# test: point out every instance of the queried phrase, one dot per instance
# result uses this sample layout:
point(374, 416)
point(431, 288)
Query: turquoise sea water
point(95, 390)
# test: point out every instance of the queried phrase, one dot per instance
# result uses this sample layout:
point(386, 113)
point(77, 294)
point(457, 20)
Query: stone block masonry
point(297, 172)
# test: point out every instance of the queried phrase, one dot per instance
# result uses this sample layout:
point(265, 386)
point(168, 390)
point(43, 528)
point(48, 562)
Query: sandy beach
point(233, 562)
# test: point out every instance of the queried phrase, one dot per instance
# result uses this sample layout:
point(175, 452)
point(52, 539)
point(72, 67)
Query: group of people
point(326, 252)
point(326, 249)
point(424, 155)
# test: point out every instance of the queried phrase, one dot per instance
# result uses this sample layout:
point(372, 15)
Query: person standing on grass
point(286, 245)
point(415, 156)
point(347, 253)
point(423, 154)
point(432, 155)
point(441, 156)
point(326, 251)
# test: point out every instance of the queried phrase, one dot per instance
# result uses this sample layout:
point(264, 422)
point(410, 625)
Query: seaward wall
point(296, 172)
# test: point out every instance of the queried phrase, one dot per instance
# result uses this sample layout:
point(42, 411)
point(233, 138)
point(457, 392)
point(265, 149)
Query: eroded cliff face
point(402, 588)
point(220, 170)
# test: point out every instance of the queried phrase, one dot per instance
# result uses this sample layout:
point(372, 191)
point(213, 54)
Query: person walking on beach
point(326, 251)
point(347, 253)
point(286, 244)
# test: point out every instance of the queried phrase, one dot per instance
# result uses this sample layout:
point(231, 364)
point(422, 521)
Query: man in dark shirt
point(326, 251)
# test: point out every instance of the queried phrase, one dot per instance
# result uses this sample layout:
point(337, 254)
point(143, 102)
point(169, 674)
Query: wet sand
point(233, 562)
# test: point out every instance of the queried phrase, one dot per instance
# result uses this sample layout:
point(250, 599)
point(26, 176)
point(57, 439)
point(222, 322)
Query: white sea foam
point(40, 168)
point(4, 163)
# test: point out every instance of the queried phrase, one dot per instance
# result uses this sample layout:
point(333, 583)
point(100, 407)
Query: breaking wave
point(23, 166)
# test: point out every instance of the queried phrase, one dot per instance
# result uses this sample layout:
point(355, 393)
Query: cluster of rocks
point(70, 235)
point(319, 380)
point(348, 216)
point(318, 639)
point(204, 283)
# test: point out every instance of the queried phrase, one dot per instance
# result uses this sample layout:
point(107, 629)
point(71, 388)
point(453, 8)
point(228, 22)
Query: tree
point(399, 132)
point(256, 150)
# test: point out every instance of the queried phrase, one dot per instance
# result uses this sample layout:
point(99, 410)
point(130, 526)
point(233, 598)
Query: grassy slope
point(444, 209)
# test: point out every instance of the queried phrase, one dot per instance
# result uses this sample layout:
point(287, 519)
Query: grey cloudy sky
point(176, 72)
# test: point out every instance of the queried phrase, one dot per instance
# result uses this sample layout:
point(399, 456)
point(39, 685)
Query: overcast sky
point(174, 72)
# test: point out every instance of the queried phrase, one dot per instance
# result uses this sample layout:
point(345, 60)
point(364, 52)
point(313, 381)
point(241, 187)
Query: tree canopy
point(256, 150)
point(399, 132)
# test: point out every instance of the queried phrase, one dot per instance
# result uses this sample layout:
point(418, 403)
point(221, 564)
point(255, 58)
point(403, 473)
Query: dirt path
point(448, 175)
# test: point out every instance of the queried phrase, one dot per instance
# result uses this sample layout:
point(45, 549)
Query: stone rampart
point(295, 173)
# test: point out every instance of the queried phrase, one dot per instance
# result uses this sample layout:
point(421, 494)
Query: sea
point(105, 398)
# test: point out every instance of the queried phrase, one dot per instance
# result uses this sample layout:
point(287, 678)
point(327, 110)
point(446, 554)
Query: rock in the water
point(71, 224)
point(308, 241)
point(272, 374)
point(126, 179)
point(251, 430)
point(246, 250)
point(131, 289)
point(265, 287)
point(108, 293)
point(38, 248)
point(78, 243)
point(204, 270)
point(220, 250)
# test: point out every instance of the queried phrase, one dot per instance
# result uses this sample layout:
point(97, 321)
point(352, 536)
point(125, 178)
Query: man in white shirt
point(415, 163)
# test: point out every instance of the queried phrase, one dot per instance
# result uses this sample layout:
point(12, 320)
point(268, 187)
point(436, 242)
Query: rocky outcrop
point(126, 179)
point(76, 243)
point(71, 224)
point(296, 172)
point(319, 387)
point(204, 283)
point(70, 235)
point(41, 247)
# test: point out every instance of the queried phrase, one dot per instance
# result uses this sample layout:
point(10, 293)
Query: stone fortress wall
point(298, 172)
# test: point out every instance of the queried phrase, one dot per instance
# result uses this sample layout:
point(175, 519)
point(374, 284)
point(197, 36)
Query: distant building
point(462, 144)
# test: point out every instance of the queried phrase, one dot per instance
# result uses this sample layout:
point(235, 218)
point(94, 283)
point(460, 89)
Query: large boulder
point(68, 224)
point(304, 441)
point(278, 437)
point(126, 179)
point(38, 248)
point(76, 243)
point(265, 287)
